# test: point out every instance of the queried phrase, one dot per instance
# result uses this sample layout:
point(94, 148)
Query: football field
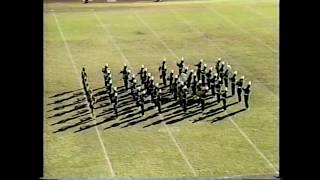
point(212, 143)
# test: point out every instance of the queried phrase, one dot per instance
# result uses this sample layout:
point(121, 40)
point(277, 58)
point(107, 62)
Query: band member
point(221, 70)
point(161, 67)
point(203, 74)
point(246, 94)
point(194, 84)
point(115, 104)
point(218, 89)
point(184, 98)
point(164, 76)
point(189, 78)
point(170, 78)
point(224, 98)
point(180, 65)
point(209, 77)
point(239, 87)
point(141, 72)
point(226, 76)
point(199, 65)
point(218, 65)
point(233, 83)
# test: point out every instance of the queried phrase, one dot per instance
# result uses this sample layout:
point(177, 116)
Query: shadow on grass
point(61, 100)
point(67, 105)
point(69, 111)
point(68, 119)
point(225, 116)
point(63, 93)
point(96, 124)
point(99, 93)
point(141, 120)
point(119, 123)
point(82, 121)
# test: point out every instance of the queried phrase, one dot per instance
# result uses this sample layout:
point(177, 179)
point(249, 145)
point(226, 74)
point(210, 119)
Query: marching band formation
point(186, 84)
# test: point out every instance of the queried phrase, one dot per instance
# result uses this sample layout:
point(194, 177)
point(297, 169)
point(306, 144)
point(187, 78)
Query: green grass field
point(209, 144)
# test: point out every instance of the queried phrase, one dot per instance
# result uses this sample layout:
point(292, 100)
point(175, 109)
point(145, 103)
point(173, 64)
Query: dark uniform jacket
point(198, 65)
point(246, 91)
point(239, 83)
point(170, 78)
point(124, 72)
point(233, 78)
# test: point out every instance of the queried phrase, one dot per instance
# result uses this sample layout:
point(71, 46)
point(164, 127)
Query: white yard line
point(179, 148)
point(124, 58)
point(78, 75)
point(156, 35)
point(111, 37)
point(240, 28)
point(255, 147)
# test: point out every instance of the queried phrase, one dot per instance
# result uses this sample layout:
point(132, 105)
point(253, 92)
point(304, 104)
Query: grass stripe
point(168, 130)
point(78, 74)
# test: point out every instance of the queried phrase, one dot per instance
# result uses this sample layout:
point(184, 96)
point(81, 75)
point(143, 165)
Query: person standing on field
point(224, 98)
point(239, 87)
point(233, 83)
point(246, 94)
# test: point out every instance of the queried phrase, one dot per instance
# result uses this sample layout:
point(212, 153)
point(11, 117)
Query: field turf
point(212, 143)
